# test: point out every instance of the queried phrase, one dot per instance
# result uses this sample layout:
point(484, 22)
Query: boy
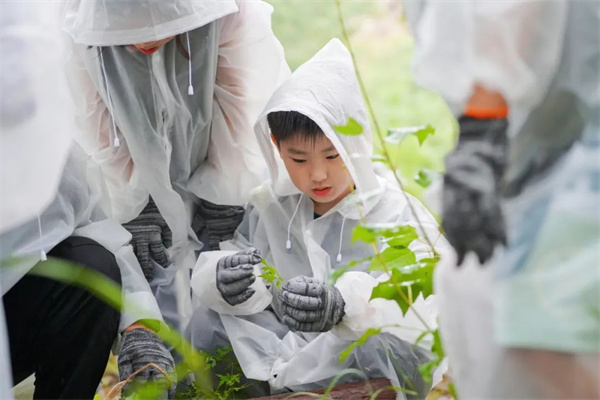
point(301, 221)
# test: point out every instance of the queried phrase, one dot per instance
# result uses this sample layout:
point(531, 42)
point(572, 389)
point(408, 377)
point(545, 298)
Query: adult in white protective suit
point(169, 92)
point(302, 221)
point(525, 77)
point(51, 324)
point(34, 102)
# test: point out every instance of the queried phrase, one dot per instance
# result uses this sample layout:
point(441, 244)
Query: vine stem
point(391, 164)
point(386, 154)
point(387, 270)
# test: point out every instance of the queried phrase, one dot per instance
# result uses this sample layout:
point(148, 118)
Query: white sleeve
point(138, 300)
point(123, 198)
point(510, 47)
point(250, 66)
point(204, 286)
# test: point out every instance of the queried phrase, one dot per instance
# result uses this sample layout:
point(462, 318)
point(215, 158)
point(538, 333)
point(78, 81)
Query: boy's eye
point(299, 161)
point(333, 157)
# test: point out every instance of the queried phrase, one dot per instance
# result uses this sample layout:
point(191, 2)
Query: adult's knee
point(90, 254)
point(205, 331)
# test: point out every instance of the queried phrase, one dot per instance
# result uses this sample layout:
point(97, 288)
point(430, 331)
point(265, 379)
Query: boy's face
point(317, 170)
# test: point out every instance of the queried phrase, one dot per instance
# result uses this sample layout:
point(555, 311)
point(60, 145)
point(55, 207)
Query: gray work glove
point(151, 237)
point(309, 305)
point(215, 223)
point(235, 274)
point(140, 347)
point(471, 213)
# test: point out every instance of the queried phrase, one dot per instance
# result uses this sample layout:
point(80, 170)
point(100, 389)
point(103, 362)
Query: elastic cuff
point(486, 113)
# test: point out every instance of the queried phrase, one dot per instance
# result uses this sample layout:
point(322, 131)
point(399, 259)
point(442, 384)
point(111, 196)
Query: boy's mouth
point(322, 191)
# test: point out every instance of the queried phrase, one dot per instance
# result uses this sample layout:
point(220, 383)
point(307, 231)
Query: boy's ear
point(275, 142)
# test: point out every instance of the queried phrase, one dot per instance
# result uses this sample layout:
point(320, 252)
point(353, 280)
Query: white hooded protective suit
point(543, 291)
point(36, 124)
point(174, 128)
point(75, 211)
point(326, 90)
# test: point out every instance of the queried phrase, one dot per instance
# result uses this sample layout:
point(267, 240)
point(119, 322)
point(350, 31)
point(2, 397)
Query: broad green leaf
point(422, 134)
point(392, 258)
point(417, 276)
point(359, 342)
point(390, 291)
point(352, 128)
point(363, 234)
point(402, 235)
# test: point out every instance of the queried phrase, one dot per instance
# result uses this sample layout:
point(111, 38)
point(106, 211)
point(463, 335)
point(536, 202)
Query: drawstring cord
point(339, 256)
point(190, 87)
point(116, 142)
point(42, 252)
point(288, 244)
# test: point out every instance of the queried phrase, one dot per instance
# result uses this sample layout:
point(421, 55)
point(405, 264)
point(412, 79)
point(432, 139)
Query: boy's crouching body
point(322, 187)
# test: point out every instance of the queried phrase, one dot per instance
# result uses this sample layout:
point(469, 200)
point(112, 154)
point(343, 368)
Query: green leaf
point(437, 348)
point(407, 282)
point(270, 274)
point(423, 133)
point(391, 258)
point(359, 342)
point(401, 236)
point(222, 352)
point(389, 291)
point(424, 178)
point(352, 128)
point(339, 271)
point(397, 135)
point(426, 370)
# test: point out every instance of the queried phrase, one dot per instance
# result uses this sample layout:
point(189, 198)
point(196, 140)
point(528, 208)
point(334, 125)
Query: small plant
point(270, 274)
point(229, 383)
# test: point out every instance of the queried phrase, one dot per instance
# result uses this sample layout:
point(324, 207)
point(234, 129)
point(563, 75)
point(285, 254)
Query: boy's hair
point(286, 124)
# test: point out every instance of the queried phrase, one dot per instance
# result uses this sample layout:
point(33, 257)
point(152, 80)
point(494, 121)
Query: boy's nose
point(318, 175)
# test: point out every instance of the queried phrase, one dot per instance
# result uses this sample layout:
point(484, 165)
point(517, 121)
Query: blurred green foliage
point(384, 50)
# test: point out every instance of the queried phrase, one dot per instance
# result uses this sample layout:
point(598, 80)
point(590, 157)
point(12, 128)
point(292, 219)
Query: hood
point(326, 90)
point(123, 22)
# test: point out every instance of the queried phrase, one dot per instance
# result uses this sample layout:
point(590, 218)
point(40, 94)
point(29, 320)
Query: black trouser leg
point(61, 332)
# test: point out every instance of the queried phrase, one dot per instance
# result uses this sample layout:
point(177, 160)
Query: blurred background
point(383, 47)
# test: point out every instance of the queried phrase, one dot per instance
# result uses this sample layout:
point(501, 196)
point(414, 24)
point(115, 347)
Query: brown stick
point(116, 390)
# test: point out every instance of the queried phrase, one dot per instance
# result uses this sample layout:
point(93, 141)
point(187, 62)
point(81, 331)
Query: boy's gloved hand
point(471, 214)
point(235, 274)
point(140, 347)
point(151, 237)
point(309, 305)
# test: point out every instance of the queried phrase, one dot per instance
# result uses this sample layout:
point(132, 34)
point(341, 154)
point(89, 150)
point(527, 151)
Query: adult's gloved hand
point(215, 223)
point(235, 274)
point(140, 347)
point(309, 305)
point(471, 212)
point(151, 237)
